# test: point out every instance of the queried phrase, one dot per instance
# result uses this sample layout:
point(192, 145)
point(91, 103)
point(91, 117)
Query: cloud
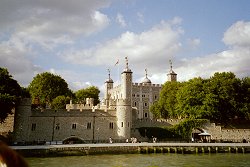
point(156, 45)
point(52, 22)
point(235, 59)
point(16, 58)
point(238, 35)
point(29, 29)
point(120, 20)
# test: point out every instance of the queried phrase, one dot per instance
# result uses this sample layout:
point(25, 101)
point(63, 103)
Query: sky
point(80, 39)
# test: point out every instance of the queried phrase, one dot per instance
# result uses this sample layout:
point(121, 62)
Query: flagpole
point(118, 72)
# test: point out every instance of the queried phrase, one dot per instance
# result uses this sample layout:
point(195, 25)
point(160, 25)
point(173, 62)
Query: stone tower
point(108, 86)
point(21, 120)
point(124, 109)
point(172, 76)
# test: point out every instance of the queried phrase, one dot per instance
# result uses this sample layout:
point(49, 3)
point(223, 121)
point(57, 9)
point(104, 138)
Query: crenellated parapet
point(146, 85)
point(89, 105)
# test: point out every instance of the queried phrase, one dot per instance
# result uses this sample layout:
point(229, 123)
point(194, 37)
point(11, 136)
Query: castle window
point(146, 115)
point(145, 104)
point(89, 125)
point(33, 127)
point(111, 125)
point(155, 97)
point(57, 126)
point(122, 124)
point(135, 103)
point(73, 126)
point(133, 95)
point(138, 95)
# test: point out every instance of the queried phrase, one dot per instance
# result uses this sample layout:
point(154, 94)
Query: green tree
point(166, 105)
point(89, 92)
point(10, 92)
point(47, 86)
point(60, 102)
point(190, 99)
point(244, 98)
point(224, 89)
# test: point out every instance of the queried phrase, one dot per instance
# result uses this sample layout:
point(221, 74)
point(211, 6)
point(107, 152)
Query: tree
point(224, 89)
point(60, 102)
point(89, 92)
point(47, 86)
point(244, 98)
point(166, 105)
point(190, 99)
point(10, 92)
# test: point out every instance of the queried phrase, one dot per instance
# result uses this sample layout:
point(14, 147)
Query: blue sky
point(80, 39)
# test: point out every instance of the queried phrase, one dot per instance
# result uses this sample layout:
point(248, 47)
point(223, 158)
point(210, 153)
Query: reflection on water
point(145, 160)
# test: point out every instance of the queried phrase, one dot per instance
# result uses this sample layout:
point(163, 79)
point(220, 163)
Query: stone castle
point(117, 114)
point(124, 108)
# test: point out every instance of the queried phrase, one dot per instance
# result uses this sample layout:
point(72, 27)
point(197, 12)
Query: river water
point(145, 160)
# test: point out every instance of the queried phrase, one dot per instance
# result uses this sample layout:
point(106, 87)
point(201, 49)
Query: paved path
point(133, 144)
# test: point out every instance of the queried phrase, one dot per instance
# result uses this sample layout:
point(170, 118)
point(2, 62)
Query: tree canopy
point(89, 92)
point(47, 86)
point(220, 98)
point(10, 91)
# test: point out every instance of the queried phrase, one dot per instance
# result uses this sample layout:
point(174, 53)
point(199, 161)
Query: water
point(145, 160)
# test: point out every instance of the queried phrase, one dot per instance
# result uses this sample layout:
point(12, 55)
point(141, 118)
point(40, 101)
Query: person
point(126, 140)
point(110, 140)
point(10, 158)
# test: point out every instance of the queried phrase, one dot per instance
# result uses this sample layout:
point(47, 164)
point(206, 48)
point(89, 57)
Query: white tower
point(124, 107)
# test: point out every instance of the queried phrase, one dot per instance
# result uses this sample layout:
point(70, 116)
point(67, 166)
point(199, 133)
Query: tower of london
point(116, 117)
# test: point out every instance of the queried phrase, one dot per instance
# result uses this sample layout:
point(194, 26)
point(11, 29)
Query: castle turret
point(21, 121)
point(108, 86)
point(172, 76)
point(124, 104)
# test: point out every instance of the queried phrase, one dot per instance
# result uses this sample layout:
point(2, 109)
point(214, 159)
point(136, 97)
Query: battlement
point(78, 106)
point(89, 105)
point(147, 84)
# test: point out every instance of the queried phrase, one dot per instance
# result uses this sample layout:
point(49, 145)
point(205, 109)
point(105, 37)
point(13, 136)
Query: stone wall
point(234, 135)
point(8, 125)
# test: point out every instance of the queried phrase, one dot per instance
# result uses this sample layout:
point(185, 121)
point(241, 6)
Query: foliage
point(182, 130)
point(190, 99)
point(159, 132)
point(185, 127)
point(89, 92)
point(220, 98)
point(10, 92)
point(47, 86)
point(224, 89)
point(60, 102)
point(166, 105)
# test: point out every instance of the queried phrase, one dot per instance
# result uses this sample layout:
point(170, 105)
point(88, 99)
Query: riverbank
point(130, 148)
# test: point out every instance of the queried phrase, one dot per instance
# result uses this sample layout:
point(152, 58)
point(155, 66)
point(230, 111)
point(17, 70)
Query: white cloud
point(30, 28)
point(238, 35)
point(156, 46)
point(16, 58)
point(120, 20)
point(52, 22)
point(236, 59)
